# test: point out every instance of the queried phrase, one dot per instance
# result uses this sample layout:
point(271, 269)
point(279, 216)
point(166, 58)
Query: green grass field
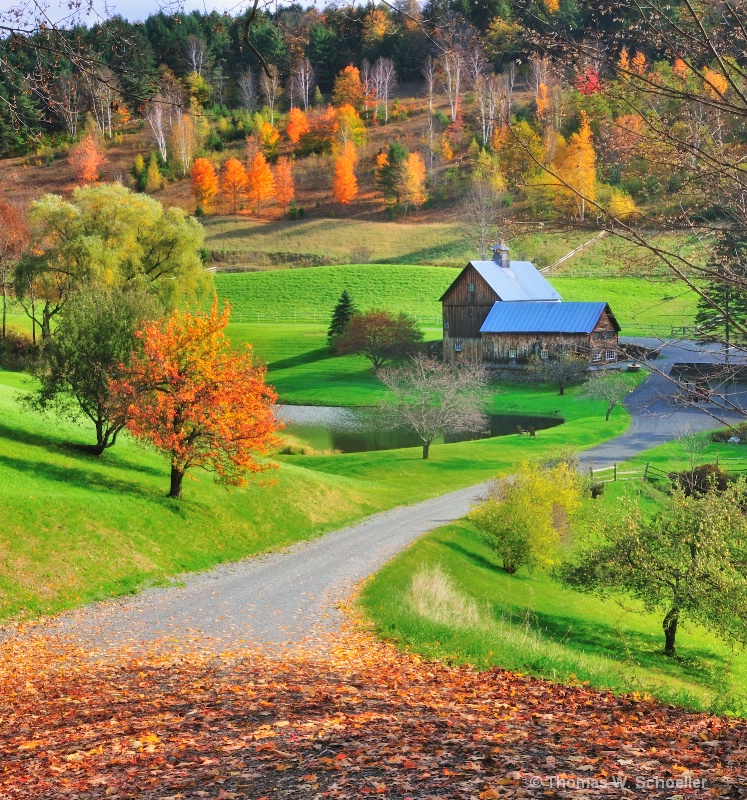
point(253, 244)
point(526, 622)
point(641, 306)
point(77, 528)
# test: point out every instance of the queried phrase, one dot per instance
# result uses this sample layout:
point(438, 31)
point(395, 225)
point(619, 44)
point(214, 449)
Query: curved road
point(285, 597)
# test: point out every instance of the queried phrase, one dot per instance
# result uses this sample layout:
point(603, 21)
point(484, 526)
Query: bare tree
point(183, 142)
point(101, 87)
point(429, 73)
point(452, 66)
point(195, 53)
point(156, 115)
point(247, 90)
point(384, 80)
point(66, 102)
point(433, 398)
point(304, 79)
point(270, 85)
point(481, 207)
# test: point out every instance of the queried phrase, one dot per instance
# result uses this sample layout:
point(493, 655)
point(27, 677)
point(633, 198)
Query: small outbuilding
point(514, 332)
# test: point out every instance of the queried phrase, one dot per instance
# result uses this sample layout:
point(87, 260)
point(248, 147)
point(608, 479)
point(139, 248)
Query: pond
point(357, 430)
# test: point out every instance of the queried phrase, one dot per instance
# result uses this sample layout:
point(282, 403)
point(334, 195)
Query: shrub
point(701, 480)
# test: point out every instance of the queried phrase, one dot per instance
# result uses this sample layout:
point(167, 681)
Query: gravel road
point(284, 597)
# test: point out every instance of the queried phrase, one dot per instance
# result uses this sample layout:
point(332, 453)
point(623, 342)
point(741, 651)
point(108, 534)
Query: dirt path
point(287, 596)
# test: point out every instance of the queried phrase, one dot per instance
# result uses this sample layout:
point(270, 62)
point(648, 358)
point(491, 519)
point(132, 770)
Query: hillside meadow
point(84, 528)
point(446, 598)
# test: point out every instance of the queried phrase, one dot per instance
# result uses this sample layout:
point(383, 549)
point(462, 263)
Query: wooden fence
point(734, 466)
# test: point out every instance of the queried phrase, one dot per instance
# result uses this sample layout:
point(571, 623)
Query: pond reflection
point(358, 430)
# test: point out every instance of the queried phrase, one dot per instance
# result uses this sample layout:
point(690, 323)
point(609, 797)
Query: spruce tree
point(344, 309)
point(729, 293)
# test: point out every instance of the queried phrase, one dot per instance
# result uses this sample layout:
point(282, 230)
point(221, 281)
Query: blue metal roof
point(519, 281)
point(544, 317)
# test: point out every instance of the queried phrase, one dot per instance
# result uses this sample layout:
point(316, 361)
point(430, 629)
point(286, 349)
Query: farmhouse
point(505, 312)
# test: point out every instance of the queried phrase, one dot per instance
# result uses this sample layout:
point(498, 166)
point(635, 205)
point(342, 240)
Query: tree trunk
point(46, 326)
point(670, 631)
point(426, 450)
point(177, 476)
point(609, 411)
point(561, 387)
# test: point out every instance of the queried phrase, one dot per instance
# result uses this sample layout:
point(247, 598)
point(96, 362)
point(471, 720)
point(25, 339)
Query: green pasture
point(78, 528)
point(528, 623)
point(642, 307)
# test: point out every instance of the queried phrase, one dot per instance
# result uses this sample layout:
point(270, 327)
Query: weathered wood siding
point(496, 347)
point(458, 349)
point(465, 311)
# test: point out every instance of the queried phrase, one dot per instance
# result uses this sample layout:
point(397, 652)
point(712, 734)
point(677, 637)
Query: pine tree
point(726, 312)
point(389, 166)
point(344, 309)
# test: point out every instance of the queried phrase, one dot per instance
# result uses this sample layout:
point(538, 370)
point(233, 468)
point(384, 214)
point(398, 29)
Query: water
point(358, 430)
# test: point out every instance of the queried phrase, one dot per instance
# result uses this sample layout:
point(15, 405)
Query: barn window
point(446, 326)
point(544, 354)
point(471, 288)
point(596, 356)
point(457, 347)
point(609, 355)
point(512, 353)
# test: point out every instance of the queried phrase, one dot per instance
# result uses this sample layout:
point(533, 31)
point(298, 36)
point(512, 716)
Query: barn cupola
point(500, 254)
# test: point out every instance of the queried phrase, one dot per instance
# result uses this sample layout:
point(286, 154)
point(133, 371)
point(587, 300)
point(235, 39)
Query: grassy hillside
point(80, 528)
point(641, 306)
point(255, 244)
point(480, 615)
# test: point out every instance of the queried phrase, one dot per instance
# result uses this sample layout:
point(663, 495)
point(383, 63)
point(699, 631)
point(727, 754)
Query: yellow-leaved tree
point(576, 168)
point(525, 520)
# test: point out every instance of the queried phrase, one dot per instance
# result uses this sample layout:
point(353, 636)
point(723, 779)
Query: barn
point(504, 312)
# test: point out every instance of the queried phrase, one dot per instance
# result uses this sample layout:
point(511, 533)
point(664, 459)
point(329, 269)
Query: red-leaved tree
point(380, 336)
point(197, 400)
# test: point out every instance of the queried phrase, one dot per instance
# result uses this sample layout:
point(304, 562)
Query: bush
point(701, 480)
point(17, 351)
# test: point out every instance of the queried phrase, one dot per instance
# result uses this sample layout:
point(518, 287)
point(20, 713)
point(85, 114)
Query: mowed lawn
point(642, 307)
point(77, 528)
point(529, 623)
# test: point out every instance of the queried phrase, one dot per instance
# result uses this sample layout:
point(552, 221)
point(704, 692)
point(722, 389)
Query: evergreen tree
point(723, 308)
point(344, 309)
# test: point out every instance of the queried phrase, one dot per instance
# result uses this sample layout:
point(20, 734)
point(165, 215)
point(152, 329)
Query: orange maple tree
point(298, 124)
point(284, 189)
point(233, 182)
point(86, 158)
point(204, 182)
point(197, 400)
point(348, 87)
point(261, 184)
point(344, 182)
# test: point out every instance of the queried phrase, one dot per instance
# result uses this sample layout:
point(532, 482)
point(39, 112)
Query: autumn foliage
point(197, 400)
point(233, 182)
point(298, 124)
point(364, 719)
point(284, 188)
point(204, 182)
point(86, 159)
point(348, 88)
point(260, 182)
point(344, 182)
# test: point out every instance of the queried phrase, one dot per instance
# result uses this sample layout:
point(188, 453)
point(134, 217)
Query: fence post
point(614, 467)
point(645, 471)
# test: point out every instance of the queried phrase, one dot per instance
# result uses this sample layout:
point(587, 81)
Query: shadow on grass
point(308, 357)
point(625, 645)
point(475, 558)
point(75, 476)
point(77, 450)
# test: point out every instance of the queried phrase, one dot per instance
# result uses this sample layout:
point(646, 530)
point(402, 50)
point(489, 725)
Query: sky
point(133, 10)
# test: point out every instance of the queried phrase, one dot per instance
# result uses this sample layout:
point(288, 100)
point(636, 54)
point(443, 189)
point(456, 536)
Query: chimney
point(500, 254)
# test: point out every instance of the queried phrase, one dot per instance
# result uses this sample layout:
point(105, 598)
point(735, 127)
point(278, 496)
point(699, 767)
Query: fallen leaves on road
point(362, 719)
